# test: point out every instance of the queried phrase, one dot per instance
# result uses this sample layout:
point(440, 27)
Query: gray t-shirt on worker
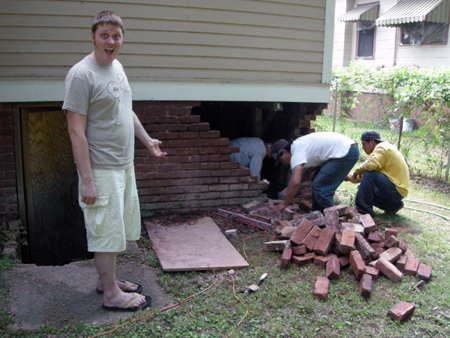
point(102, 94)
point(252, 152)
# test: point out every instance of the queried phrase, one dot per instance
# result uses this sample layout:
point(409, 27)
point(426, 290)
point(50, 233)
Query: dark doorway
point(48, 204)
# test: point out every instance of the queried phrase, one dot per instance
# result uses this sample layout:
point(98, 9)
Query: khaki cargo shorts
point(115, 216)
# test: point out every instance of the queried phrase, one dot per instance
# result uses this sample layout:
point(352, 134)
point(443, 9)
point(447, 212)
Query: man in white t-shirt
point(102, 126)
point(335, 155)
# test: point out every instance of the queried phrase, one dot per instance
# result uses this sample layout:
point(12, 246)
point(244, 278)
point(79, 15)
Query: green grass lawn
point(285, 305)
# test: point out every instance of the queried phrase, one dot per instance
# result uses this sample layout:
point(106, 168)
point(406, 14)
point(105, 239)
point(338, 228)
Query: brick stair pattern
point(197, 173)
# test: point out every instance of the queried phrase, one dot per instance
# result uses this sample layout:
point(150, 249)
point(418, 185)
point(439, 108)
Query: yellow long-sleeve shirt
point(388, 160)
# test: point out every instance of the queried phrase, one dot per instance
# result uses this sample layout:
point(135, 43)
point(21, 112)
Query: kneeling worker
point(384, 176)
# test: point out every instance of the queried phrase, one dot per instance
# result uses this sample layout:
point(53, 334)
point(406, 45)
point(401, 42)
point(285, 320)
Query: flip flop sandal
point(127, 287)
point(127, 306)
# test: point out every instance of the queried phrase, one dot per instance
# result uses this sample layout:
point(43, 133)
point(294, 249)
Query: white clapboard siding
point(257, 41)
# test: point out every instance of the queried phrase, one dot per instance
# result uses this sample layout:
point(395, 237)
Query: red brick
point(202, 126)
point(210, 134)
point(401, 263)
point(343, 209)
point(299, 250)
point(311, 239)
point(305, 206)
point(368, 223)
point(378, 251)
point(352, 212)
point(389, 232)
point(401, 311)
point(337, 245)
point(389, 270)
point(357, 264)
point(374, 272)
point(332, 220)
point(391, 242)
point(412, 264)
point(409, 253)
point(392, 254)
point(279, 223)
point(403, 244)
point(347, 241)
point(303, 260)
point(374, 237)
point(324, 241)
point(424, 272)
point(321, 287)
point(353, 226)
point(320, 221)
point(333, 270)
point(286, 259)
point(363, 247)
point(284, 233)
point(365, 286)
point(321, 261)
point(302, 231)
point(190, 119)
point(309, 216)
point(277, 245)
point(344, 261)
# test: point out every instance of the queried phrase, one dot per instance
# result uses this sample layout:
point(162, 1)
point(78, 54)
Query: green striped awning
point(408, 11)
point(361, 13)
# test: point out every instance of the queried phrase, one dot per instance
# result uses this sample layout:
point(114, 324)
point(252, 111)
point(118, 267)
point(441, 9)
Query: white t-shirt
point(315, 149)
point(102, 94)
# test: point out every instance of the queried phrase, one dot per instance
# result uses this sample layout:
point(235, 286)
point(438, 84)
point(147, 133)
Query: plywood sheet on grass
point(197, 246)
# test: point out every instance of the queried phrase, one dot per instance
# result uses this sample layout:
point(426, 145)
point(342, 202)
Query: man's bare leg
point(105, 262)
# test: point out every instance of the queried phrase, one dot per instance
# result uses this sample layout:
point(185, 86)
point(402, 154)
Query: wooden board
point(197, 246)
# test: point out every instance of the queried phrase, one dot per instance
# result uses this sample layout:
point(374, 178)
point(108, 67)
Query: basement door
point(53, 219)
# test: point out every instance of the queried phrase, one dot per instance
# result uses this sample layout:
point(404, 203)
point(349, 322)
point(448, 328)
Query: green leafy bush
point(402, 92)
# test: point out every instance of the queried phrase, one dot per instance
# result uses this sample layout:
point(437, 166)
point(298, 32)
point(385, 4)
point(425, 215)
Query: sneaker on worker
point(394, 211)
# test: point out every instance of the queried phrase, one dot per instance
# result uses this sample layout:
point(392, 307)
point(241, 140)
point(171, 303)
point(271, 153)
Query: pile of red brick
point(340, 238)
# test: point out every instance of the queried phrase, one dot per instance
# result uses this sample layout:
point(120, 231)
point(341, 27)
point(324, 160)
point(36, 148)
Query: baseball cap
point(371, 135)
point(277, 147)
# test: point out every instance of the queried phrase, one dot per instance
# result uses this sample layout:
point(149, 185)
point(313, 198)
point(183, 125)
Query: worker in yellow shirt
point(384, 176)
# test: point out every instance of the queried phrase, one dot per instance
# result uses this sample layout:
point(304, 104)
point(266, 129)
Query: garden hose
point(414, 209)
point(431, 204)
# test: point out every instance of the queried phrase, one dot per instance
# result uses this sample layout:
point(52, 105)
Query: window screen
point(366, 35)
point(421, 33)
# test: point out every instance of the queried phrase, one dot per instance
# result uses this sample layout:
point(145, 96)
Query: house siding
point(278, 41)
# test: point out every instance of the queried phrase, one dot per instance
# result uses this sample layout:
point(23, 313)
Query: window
point(365, 38)
point(422, 33)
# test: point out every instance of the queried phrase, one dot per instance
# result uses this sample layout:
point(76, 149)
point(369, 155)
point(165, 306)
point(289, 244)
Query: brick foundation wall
point(9, 208)
point(197, 173)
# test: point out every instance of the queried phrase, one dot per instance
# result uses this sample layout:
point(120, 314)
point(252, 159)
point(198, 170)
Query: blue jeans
point(375, 189)
point(329, 177)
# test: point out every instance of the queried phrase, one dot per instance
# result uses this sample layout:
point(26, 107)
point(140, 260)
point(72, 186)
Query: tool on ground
point(418, 285)
point(255, 287)
point(441, 312)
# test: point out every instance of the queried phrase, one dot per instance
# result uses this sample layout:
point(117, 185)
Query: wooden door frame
point(18, 111)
